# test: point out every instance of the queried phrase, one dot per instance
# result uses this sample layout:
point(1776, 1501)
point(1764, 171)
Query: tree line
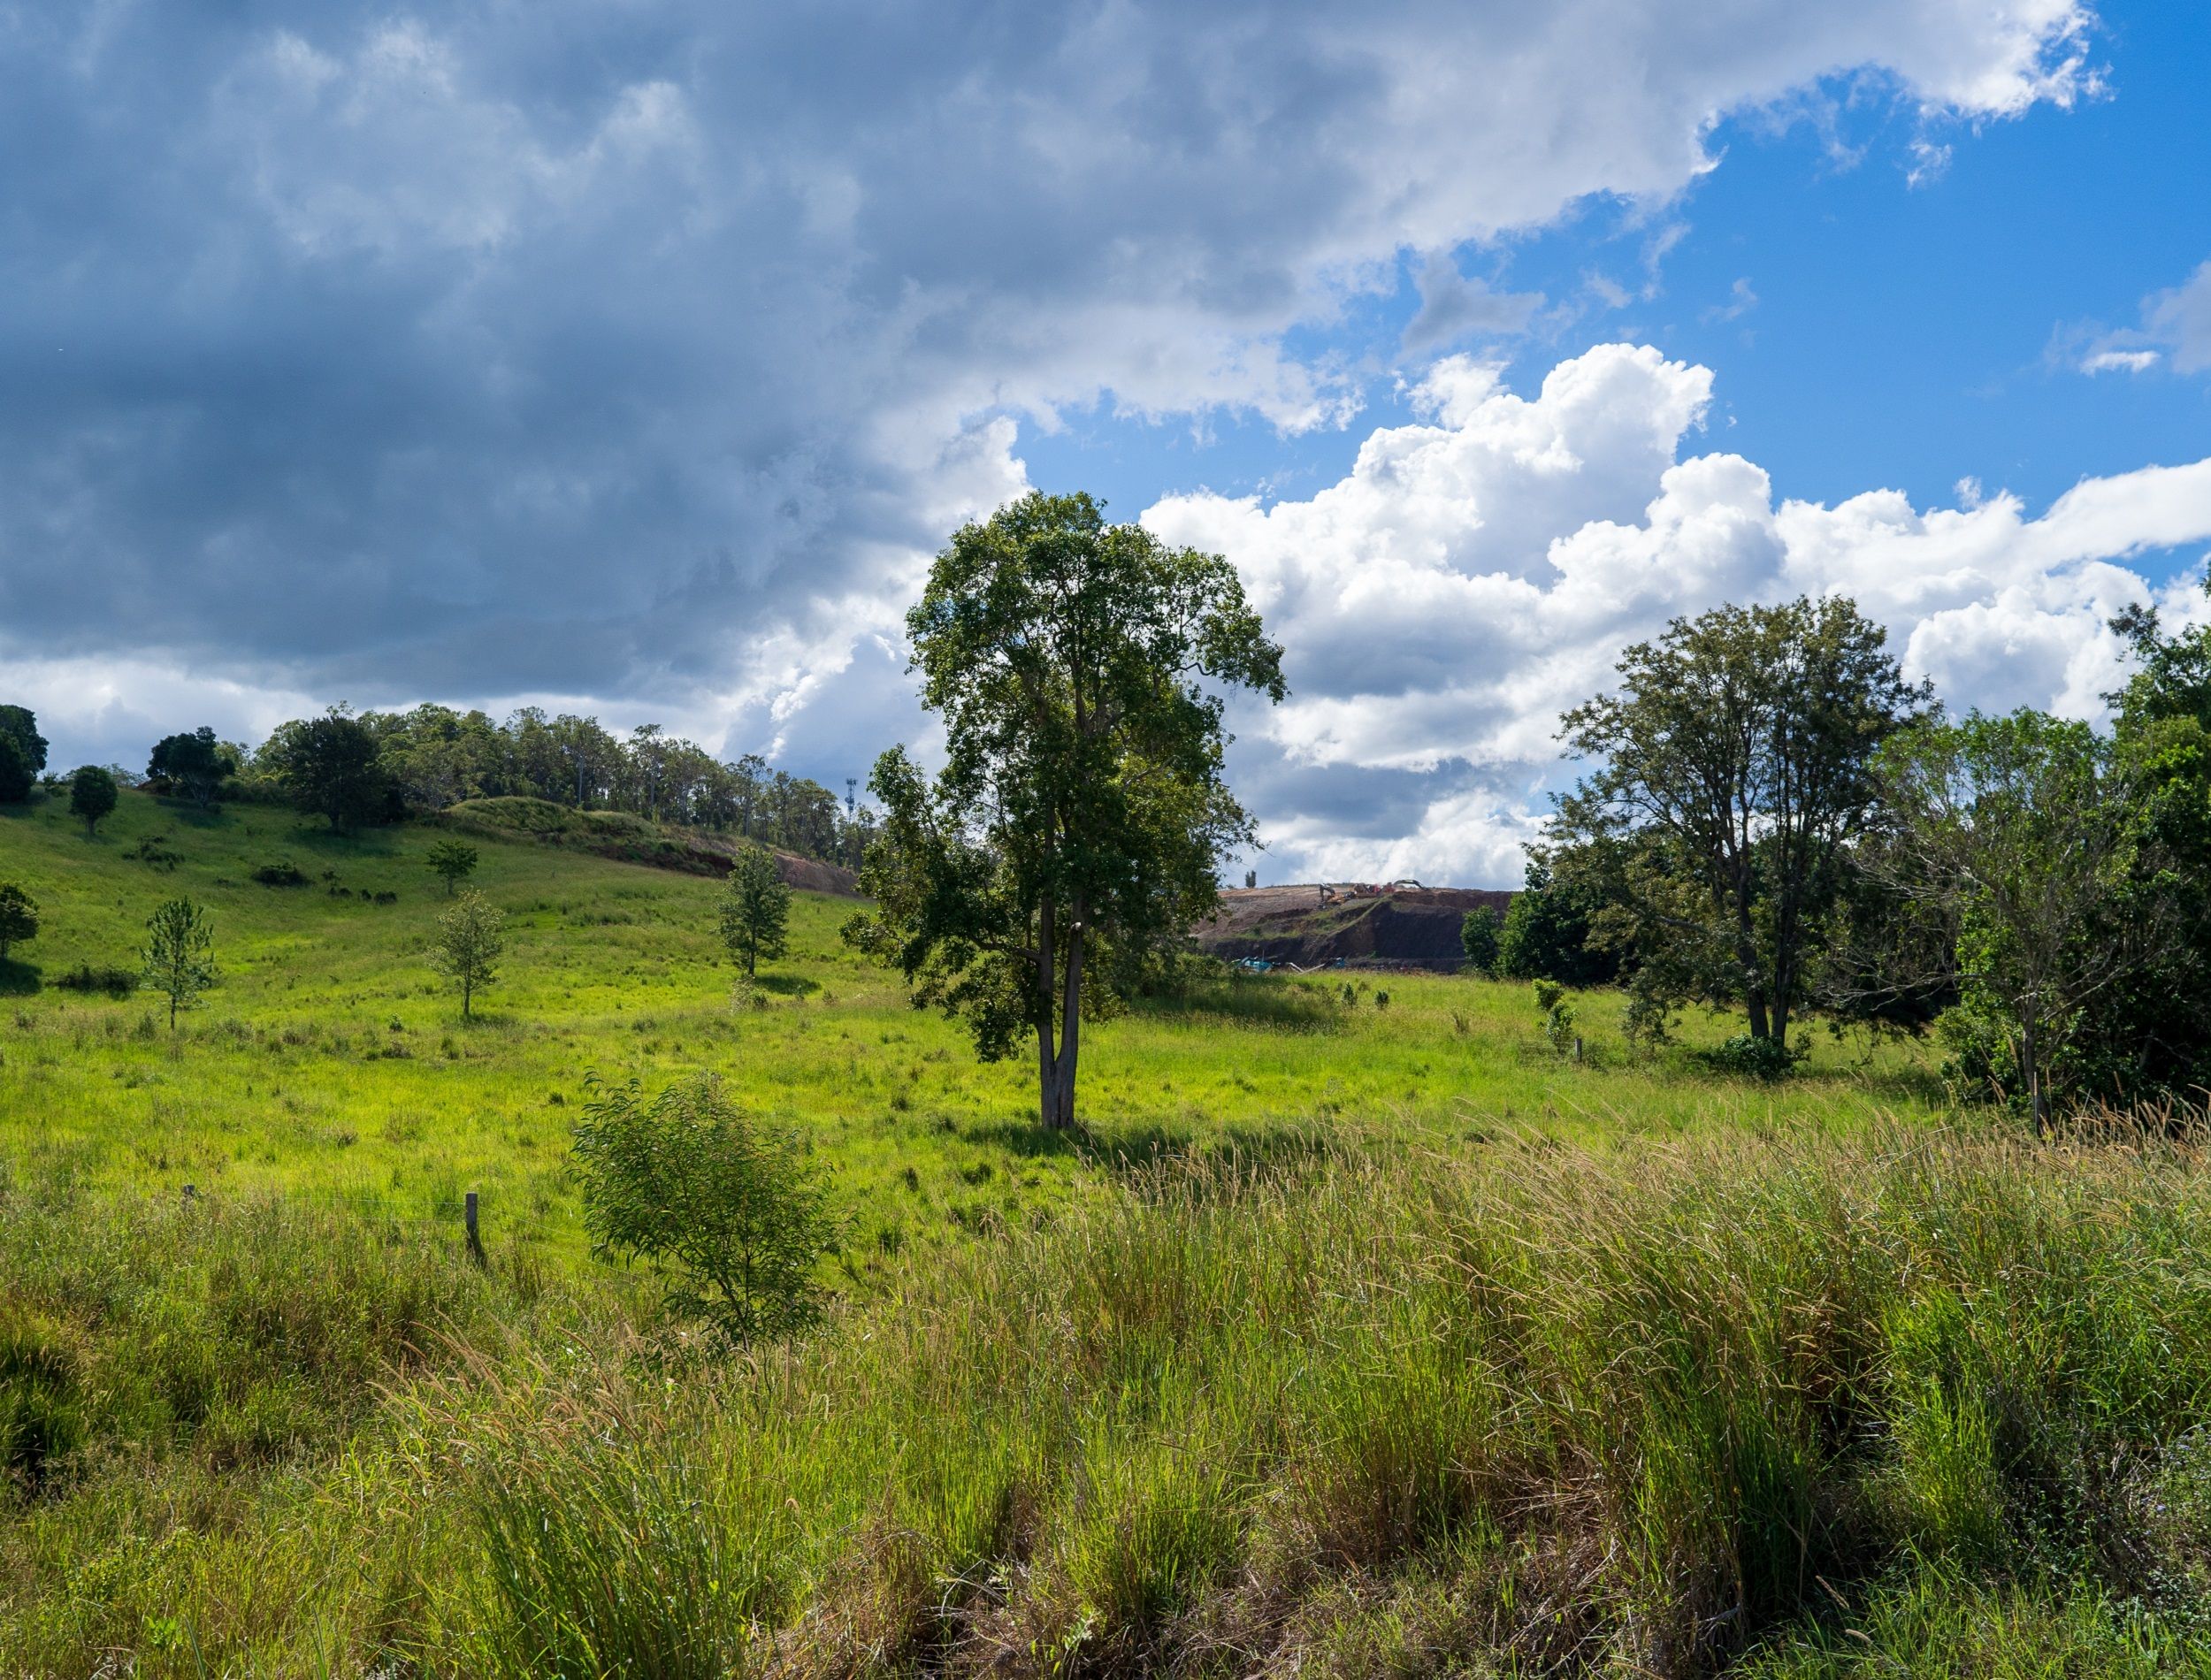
point(354, 769)
point(1777, 823)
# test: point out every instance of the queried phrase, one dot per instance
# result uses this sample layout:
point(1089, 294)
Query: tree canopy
point(1082, 805)
point(1735, 773)
point(92, 795)
point(194, 762)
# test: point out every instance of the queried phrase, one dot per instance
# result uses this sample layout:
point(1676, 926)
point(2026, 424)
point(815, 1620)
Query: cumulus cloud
point(1475, 575)
point(641, 354)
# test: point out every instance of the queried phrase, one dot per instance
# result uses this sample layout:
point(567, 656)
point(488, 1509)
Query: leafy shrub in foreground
point(1765, 1058)
point(736, 1216)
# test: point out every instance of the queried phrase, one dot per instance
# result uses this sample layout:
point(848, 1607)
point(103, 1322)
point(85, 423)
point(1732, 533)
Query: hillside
point(1359, 1334)
point(1348, 926)
point(624, 838)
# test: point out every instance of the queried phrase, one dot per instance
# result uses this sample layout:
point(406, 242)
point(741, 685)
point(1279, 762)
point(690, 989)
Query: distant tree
point(178, 955)
point(755, 908)
point(17, 777)
point(1082, 801)
point(735, 1216)
point(1478, 938)
point(92, 795)
point(2022, 839)
point(20, 725)
point(1546, 933)
point(18, 917)
point(330, 766)
point(1736, 772)
point(471, 935)
point(455, 861)
point(195, 762)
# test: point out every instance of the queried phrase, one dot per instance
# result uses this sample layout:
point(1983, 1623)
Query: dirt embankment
point(629, 839)
point(1358, 926)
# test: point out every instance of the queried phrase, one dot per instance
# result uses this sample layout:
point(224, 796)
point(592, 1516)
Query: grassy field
point(1352, 1338)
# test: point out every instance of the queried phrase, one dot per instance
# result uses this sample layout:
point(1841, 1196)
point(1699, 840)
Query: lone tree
point(92, 795)
point(471, 937)
point(1736, 772)
point(1478, 938)
point(196, 762)
point(1082, 807)
point(330, 766)
point(455, 861)
point(755, 908)
point(19, 916)
point(179, 953)
point(736, 1217)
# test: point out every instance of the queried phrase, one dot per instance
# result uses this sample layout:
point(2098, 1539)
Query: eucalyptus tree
point(1077, 668)
point(1734, 774)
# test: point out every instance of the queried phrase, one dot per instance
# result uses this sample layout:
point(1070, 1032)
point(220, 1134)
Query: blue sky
point(636, 360)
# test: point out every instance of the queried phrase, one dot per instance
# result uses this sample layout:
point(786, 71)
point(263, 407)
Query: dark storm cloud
point(641, 354)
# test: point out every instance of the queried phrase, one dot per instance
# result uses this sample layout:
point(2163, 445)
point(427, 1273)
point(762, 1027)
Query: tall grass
point(1531, 1408)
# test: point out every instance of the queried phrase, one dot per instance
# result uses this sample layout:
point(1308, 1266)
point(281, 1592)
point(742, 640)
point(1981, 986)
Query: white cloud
point(2175, 324)
point(644, 353)
point(1473, 577)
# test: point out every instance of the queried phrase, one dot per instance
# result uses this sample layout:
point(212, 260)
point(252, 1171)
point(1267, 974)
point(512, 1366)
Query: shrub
point(116, 982)
point(283, 872)
point(735, 1218)
point(19, 916)
point(1765, 1058)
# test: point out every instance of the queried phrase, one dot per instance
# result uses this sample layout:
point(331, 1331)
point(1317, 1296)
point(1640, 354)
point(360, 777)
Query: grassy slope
point(328, 1059)
point(1460, 1359)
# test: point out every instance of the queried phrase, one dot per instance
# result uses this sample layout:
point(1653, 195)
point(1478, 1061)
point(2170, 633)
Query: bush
point(1749, 1058)
point(734, 1217)
point(116, 982)
point(283, 872)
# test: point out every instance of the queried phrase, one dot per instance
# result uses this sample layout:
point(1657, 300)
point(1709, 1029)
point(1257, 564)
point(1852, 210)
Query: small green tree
point(331, 765)
point(92, 795)
point(471, 935)
point(19, 916)
point(736, 1217)
point(455, 861)
point(19, 724)
point(1478, 938)
point(755, 908)
point(179, 953)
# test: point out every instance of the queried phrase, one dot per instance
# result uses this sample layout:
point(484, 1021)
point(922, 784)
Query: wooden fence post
point(467, 1217)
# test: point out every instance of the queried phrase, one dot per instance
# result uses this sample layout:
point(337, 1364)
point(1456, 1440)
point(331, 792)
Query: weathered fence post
point(467, 1217)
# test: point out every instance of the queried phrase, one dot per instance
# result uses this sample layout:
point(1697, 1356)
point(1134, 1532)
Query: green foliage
point(114, 983)
point(282, 872)
point(1558, 1016)
point(18, 917)
point(1478, 937)
point(736, 1218)
point(1736, 775)
point(178, 957)
point(195, 762)
point(1083, 797)
point(755, 909)
point(330, 766)
point(92, 795)
point(453, 861)
point(472, 938)
point(17, 777)
point(1764, 1058)
point(1546, 933)
point(19, 725)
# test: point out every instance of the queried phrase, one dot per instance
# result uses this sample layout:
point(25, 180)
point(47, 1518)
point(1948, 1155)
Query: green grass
point(1350, 1340)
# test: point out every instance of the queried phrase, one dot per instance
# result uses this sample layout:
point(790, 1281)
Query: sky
point(636, 359)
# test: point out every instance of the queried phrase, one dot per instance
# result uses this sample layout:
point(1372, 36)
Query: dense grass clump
point(1734, 1401)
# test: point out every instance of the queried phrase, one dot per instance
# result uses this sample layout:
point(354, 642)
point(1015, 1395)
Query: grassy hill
point(1354, 1337)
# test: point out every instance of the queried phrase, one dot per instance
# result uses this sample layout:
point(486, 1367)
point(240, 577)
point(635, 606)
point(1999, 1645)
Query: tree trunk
point(1070, 1027)
point(2030, 1052)
point(1759, 1028)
